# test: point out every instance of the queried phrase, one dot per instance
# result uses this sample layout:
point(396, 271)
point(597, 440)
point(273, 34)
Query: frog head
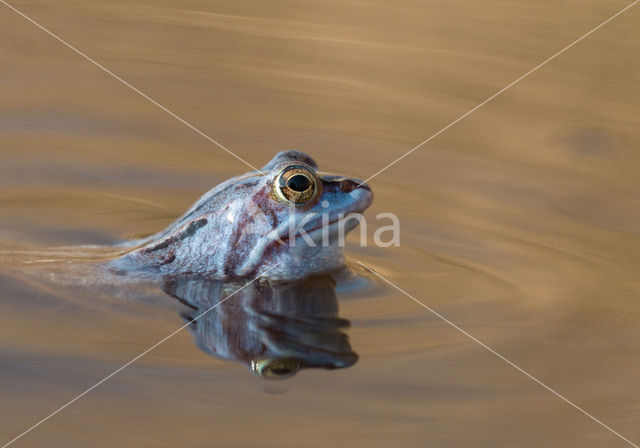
point(285, 221)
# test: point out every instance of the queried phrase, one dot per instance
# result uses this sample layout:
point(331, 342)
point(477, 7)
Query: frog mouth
point(315, 231)
point(326, 227)
point(331, 230)
point(323, 233)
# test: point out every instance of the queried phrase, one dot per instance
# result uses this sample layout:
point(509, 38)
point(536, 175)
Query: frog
point(243, 227)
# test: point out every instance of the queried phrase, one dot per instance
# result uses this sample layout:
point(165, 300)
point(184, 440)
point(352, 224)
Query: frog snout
point(348, 185)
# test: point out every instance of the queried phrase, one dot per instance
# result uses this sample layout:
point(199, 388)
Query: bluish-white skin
point(242, 228)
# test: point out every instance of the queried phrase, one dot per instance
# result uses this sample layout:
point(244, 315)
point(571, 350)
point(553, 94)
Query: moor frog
point(243, 227)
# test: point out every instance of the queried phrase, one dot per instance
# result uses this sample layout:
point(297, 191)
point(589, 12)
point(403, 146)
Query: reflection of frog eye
point(275, 368)
point(296, 184)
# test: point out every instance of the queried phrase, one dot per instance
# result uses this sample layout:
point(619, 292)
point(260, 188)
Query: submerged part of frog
point(275, 330)
point(283, 223)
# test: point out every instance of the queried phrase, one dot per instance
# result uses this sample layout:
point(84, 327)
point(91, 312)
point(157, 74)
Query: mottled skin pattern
point(241, 228)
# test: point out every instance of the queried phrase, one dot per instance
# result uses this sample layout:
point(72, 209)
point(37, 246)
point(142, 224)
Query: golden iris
point(296, 184)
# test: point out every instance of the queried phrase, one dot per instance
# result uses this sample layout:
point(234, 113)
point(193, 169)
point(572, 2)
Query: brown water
point(521, 223)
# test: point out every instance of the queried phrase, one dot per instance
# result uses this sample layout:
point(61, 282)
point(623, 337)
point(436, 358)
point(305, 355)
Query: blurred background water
point(521, 223)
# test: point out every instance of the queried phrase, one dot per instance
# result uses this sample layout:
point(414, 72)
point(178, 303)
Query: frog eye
point(296, 184)
point(275, 368)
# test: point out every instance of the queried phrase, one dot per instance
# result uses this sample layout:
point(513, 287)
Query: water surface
point(521, 223)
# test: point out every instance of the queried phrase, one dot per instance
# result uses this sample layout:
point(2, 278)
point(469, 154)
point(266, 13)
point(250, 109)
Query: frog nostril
point(348, 185)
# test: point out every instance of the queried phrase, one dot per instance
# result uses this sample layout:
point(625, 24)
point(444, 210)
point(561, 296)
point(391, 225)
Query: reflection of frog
point(274, 329)
point(243, 227)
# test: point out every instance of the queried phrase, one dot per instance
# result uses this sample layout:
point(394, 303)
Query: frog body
point(283, 222)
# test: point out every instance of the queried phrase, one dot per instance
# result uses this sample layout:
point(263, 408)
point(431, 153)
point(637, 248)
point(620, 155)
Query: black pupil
point(299, 183)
